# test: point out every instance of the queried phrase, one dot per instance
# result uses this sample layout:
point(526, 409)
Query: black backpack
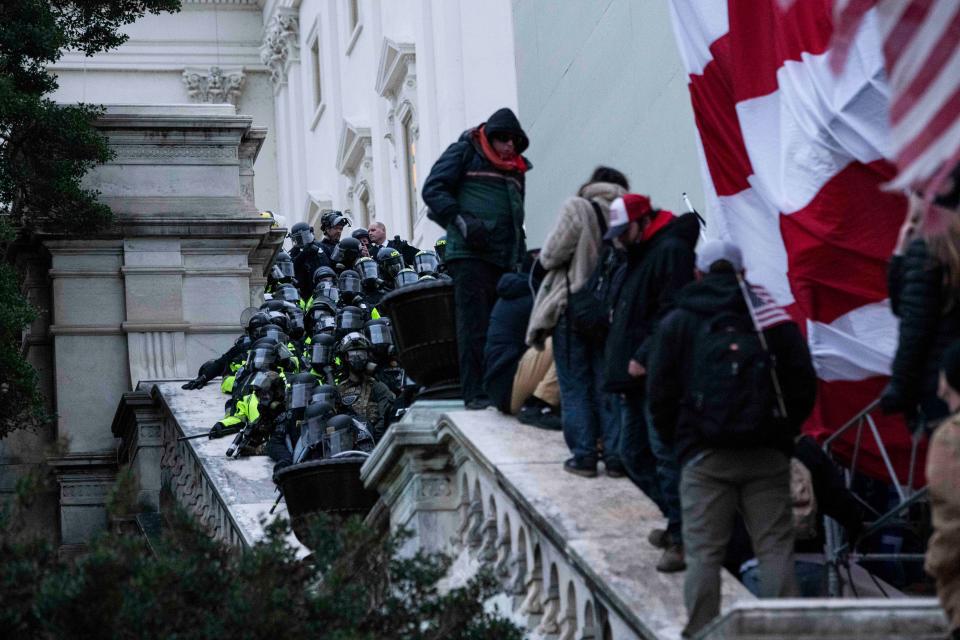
point(733, 397)
point(588, 310)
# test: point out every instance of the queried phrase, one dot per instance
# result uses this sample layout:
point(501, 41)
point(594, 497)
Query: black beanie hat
point(950, 365)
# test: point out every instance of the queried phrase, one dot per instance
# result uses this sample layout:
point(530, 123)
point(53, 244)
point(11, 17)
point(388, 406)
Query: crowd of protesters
point(640, 340)
point(649, 348)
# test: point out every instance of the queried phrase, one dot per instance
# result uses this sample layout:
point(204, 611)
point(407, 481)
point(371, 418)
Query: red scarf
point(517, 163)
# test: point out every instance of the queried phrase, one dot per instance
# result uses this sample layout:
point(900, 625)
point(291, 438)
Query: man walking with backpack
point(729, 387)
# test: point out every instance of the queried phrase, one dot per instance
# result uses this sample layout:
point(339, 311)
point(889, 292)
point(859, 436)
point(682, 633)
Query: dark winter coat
point(655, 270)
point(919, 298)
point(463, 181)
point(671, 366)
point(407, 250)
point(505, 337)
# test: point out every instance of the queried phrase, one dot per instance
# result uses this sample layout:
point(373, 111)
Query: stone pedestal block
point(158, 293)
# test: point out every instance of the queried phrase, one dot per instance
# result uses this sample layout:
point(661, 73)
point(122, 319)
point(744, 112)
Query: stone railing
point(229, 497)
point(571, 553)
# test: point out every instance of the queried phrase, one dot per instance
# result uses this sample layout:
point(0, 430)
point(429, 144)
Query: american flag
point(764, 309)
point(920, 40)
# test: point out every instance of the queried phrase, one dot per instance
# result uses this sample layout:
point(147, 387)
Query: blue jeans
point(668, 474)
point(650, 464)
point(586, 411)
point(635, 451)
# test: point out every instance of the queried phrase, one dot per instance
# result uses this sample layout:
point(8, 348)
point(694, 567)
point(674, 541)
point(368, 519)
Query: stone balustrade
point(231, 498)
point(571, 553)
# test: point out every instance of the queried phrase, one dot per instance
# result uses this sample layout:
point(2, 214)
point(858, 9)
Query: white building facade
point(360, 97)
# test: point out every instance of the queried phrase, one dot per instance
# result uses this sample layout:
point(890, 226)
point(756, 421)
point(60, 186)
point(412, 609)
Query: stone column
point(161, 291)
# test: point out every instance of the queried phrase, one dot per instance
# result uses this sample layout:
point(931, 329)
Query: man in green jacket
point(475, 191)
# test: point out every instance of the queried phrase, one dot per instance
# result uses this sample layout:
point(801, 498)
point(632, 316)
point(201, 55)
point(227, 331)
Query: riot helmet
point(380, 335)
point(362, 235)
point(354, 348)
point(369, 273)
point(312, 428)
point(340, 436)
point(287, 293)
point(322, 316)
point(300, 390)
point(346, 252)
point(406, 276)
point(324, 274)
point(280, 319)
point(301, 234)
point(284, 264)
point(329, 291)
point(440, 248)
point(350, 319)
point(322, 346)
point(390, 261)
point(327, 394)
point(296, 324)
point(333, 219)
point(256, 322)
point(262, 355)
point(263, 385)
point(426, 263)
point(349, 284)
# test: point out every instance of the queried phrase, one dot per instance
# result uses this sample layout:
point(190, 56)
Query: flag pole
point(777, 389)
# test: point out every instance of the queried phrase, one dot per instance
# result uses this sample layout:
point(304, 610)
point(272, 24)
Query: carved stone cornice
point(397, 64)
point(214, 85)
point(280, 45)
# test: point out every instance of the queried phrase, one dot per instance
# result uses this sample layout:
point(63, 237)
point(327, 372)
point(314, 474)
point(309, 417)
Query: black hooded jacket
point(655, 271)
point(505, 337)
point(671, 365)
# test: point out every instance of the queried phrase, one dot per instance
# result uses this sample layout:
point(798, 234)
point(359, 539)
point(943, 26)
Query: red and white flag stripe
point(793, 158)
point(920, 41)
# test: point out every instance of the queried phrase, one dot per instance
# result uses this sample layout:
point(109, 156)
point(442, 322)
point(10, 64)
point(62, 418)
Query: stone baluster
point(474, 531)
point(550, 624)
point(488, 549)
point(502, 567)
point(532, 605)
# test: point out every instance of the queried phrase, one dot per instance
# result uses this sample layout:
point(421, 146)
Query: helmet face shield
point(262, 383)
point(288, 294)
point(351, 319)
point(426, 263)
point(275, 332)
point(262, 358)
point(321, 354)
point(329, 291)
point(368, 270)
point(298, 395)
point(302, 237)
point(404, 278)
point(380, 334)
point(349, 282)
point(326, 393)
point(285, 267)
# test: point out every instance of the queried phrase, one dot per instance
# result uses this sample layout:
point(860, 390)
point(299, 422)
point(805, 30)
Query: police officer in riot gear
point(331, 225)
point(405, 277)
point(286, 429)
point(426, 264)
point(391, 263)
point(362, 393)
point(370, 282)
point(308, 256)
point(345, 254)
point(349, 320)
point(281, 272)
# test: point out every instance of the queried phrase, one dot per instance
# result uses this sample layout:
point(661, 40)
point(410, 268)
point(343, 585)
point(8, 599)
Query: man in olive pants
point(729, 390)
point(712, 489)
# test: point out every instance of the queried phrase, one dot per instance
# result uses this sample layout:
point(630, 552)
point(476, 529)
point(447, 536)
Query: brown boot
point(672, 559)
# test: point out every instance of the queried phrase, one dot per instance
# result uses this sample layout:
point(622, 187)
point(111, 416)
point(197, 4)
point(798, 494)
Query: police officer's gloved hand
point(216, 431)
point(472, 230)
point(197, 383)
